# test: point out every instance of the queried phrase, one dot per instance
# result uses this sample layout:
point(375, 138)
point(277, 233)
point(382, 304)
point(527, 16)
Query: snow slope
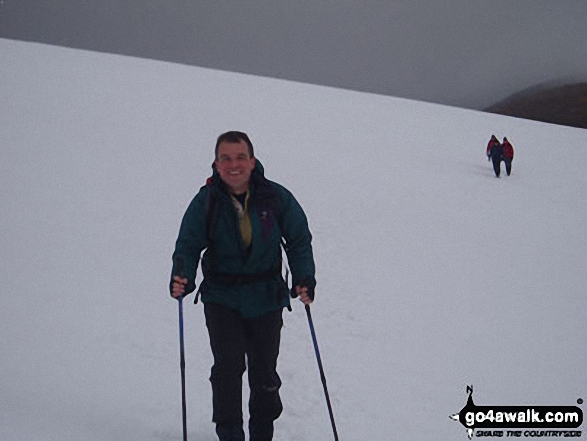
point(432, 273)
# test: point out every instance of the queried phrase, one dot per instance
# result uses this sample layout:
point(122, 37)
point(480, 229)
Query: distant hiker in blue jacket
point(240, 220)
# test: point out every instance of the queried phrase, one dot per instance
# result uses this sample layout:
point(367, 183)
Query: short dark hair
point(234, 137)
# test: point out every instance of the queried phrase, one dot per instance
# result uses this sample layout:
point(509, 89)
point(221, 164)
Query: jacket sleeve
point(191, 241)
point(298, 241)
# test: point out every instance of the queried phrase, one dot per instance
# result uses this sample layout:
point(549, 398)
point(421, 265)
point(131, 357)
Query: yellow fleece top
point(244, 219)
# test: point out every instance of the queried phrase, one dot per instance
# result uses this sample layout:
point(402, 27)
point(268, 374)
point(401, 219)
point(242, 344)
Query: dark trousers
point(497, 165)
point(508, 165)
point(234, 340)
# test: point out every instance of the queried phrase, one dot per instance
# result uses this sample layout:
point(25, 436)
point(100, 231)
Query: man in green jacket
point(240, 220)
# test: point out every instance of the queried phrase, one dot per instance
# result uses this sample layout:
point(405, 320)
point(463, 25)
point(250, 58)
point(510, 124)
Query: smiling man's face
point(235, 165)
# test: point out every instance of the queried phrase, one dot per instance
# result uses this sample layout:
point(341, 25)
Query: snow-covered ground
point(432, 274)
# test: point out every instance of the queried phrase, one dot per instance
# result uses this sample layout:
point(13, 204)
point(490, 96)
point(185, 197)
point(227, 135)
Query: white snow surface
point(432, 273)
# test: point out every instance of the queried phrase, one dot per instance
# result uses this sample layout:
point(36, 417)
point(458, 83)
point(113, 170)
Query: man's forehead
point(236, 147)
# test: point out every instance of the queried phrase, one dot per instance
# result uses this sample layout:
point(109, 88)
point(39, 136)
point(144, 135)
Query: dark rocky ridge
point(564, 105)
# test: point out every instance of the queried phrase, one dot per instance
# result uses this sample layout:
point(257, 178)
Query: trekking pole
point(182, 367)
point(179, 265)
point(322, 376)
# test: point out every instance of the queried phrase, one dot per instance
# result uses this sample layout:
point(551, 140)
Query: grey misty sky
point(465, 53)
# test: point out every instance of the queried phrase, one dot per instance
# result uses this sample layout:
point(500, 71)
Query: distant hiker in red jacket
point(508, 155)
point(495, 154)
point(492, 142)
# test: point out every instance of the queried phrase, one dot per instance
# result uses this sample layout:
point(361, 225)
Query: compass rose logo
point(469, 405)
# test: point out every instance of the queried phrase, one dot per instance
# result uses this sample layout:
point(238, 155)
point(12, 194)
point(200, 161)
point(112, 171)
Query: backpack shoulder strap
point(211, 207)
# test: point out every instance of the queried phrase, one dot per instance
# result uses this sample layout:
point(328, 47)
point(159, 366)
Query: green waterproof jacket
point(249, 279)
